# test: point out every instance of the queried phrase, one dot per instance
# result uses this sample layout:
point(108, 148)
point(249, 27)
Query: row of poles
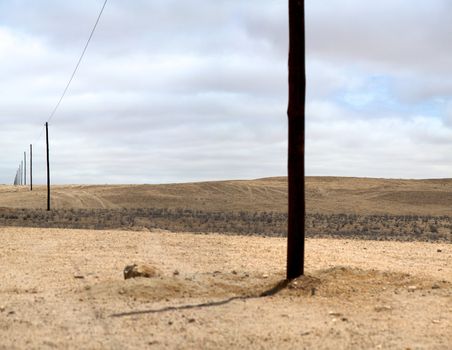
point(21, 174)
point(20, 178)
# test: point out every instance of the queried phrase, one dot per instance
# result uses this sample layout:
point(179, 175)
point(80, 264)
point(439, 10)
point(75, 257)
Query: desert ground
point(327, 195)
point(65, 289)
point(378, 266)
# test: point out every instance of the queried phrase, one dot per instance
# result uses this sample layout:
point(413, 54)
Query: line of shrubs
point(374, 227)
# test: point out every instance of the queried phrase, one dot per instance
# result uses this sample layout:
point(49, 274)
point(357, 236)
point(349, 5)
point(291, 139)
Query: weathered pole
point(25, 168)
point(296, 117)
point(21, 172)
point(31, 167)
point(48, 166)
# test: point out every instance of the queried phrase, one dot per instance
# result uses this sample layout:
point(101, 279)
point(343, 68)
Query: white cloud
point(172, 91)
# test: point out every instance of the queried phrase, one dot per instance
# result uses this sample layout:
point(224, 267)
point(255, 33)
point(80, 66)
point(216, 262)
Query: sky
point(172, 91)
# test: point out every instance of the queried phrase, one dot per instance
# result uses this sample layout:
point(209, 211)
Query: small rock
point(334, 313)
point(2, 308)
point(122, 291)
point(305, 333)
point(382, 308)
point(191, 320)
point(79, 276)
point(435, 286)
point(170, 323)
point(141, 270)
point(234, 272)
point(11, 313)
point(175, 273)
point(412, 288)
point(87, 287)
point(438, 250)
point(265, 275)
point(435, 321)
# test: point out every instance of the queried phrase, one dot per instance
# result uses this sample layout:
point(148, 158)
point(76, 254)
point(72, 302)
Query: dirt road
point(65, 289)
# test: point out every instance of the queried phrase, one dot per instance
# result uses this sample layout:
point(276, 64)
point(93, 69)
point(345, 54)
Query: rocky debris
point(334, 313)
point(438, 250)
point(176, 273)
point(78, 276)
point(411, 288)
point(381, 308)
point(140, 270)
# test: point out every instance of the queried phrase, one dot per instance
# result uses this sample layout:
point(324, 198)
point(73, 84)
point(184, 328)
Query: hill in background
point(325, 195)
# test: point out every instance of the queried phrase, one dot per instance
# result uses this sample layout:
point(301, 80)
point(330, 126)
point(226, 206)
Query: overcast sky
point(173, 91)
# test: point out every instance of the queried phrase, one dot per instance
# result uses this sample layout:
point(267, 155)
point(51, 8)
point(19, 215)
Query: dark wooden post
point(48, 167)
point(296, 116)
point(31, 167)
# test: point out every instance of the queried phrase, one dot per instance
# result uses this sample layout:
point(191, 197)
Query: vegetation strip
point(372, 227)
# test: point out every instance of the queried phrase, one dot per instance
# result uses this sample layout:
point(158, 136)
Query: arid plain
point(63, 287)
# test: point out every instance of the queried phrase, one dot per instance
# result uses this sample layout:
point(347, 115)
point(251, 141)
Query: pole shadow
point(270, 292)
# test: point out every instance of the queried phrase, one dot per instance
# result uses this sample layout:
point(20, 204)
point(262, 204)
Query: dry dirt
point(326, 195)
point(65, 289)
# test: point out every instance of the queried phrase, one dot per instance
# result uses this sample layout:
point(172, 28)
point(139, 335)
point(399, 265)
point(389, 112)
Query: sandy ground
point(65, 289)
point(326, 195)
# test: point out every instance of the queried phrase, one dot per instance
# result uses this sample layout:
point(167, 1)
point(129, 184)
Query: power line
point(78, 64)
point(73, 73)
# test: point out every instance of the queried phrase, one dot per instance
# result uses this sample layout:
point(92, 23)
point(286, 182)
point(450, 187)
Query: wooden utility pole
point(31, 167)
point(25, 168)
point(21, 172)
point(296, 116)
point(48, 166)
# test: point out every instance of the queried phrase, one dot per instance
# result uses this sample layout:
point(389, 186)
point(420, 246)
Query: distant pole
point(296, 116)
point(48, 166)
point(31, 167)
point(25, 168)
point(21, 172)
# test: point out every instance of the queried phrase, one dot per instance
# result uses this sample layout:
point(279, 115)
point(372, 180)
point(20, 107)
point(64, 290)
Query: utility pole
point(48, 166)
point(21, 172)
point(31, 167)
point(296, 116)
point(25, 168)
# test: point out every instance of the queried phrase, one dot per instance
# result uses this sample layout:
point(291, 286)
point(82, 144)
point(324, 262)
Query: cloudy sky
point(173, 91)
